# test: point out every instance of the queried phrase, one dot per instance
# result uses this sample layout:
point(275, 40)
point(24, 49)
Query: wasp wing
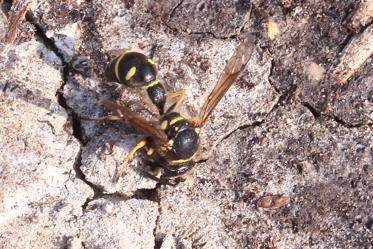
point(230, 73)
point(136, 121)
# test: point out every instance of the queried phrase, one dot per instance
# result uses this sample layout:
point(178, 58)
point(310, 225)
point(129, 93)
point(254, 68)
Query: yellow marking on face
point(151, 61)
point(181, 161)
point(197, 130)
point(153, 83)
point(150, 151)
point(177, 128)
point(116, 68)
point(131, 73)
point(164, 125)
point(164, 148)
point(170, 143)
point(173, 121)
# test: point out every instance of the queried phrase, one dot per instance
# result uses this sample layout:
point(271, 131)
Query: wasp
point(173, 142)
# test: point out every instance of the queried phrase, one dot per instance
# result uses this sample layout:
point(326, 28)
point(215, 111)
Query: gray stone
point(282, 129)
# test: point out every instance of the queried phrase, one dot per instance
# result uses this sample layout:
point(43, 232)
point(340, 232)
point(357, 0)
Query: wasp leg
point(156, 179)
point(107, 118)
point(197, 121)
point(179, 96)
point(154, 163)
point(124, 166)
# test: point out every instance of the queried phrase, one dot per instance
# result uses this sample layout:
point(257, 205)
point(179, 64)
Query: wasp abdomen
point(136, 69)
point(132, 68)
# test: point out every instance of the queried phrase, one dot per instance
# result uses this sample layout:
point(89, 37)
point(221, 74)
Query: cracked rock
point(40, 193)
point(283, 129)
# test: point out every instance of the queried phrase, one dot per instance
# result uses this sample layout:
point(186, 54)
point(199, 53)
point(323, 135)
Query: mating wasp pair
point(174, 142)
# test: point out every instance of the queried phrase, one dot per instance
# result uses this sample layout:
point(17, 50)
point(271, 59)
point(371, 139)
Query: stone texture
point(119, 224)
point(282, 129)
point(40, 193)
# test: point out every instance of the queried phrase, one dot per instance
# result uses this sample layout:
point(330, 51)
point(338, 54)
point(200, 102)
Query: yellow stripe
point(173, 121)
point(164, 125)
point(180, 161)
point(131, 73)
point(153, 83)
point(170, 143)
point(117, 66)
point(151, 61)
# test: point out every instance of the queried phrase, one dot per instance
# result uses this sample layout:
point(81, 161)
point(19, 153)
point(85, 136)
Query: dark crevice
point(213, 35)
point(314, 112)
point(317, 114)
point(172, 12)
point(345, 42)
point(203, 33)
point(97, 191)
point(48, 42)
point(157, 241)
point(150, 194)
point(344, 123)
point(286, 95)
point(242, 127)
point(78, 131)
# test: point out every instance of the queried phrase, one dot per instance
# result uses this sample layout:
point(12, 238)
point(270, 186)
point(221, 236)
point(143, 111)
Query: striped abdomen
point(136, 69)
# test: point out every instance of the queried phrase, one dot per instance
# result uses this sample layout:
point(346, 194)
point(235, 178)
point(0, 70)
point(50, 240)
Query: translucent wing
point(230, 73)
point(136, 121)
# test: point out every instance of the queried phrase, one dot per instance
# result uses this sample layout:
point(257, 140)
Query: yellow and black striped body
point(136, 69)
point(182, 145)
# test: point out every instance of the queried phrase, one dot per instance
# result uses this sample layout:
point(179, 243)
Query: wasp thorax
point(185, 143)
point(183, 137)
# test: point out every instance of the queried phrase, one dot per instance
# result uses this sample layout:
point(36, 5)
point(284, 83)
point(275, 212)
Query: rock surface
point(284, 128)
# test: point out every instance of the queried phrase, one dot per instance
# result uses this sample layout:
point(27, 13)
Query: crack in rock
point(77, 128)
point(318, 114)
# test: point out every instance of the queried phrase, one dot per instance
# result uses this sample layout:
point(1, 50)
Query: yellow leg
point(124, 166)
point(179, 96)
point(107, 118)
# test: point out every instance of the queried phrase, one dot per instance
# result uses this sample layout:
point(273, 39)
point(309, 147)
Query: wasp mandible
point(174, 142)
